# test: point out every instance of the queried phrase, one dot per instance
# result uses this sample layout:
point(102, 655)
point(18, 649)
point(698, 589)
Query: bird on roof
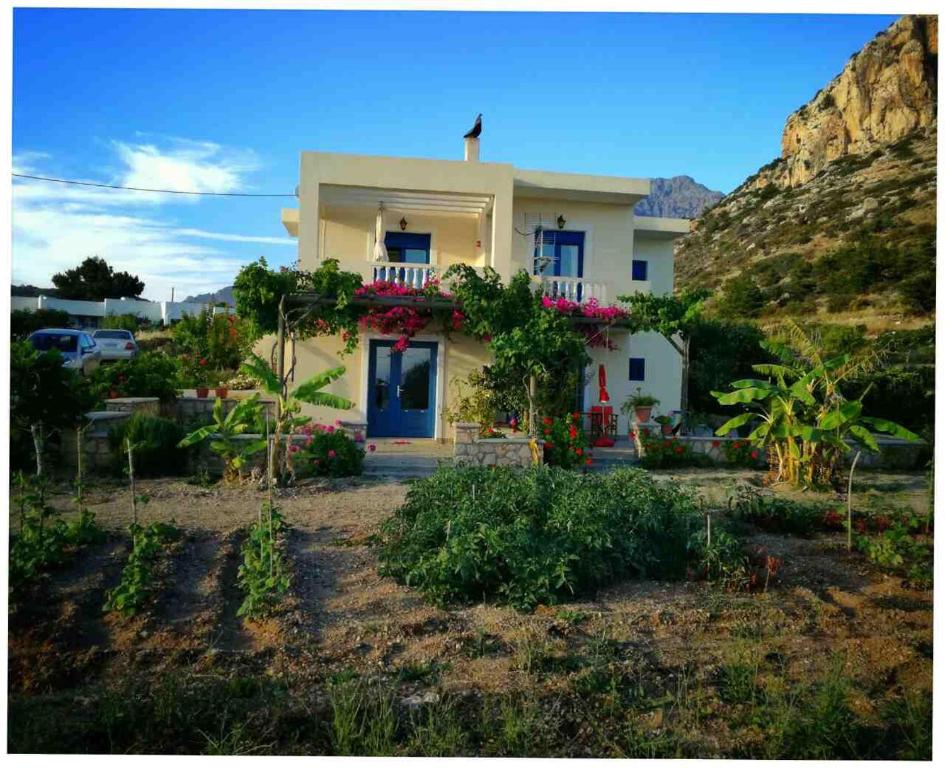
point(474, 132)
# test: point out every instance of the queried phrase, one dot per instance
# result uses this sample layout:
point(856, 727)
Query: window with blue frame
point(639, 269)
point(409, 247)
point(637, 369)
point(559, 253)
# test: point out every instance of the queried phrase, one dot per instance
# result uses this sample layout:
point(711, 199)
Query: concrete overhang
point(620, 190)
point(661, 228)
point(290, 220)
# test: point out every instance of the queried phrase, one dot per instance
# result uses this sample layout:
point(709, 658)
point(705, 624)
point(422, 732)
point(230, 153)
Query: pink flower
point(294, 448)
point(337, 422)
point(329, 429)
point(371, 447)
point(331, 454)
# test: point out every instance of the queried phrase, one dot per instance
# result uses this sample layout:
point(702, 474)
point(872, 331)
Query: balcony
point(572, 288)
point(409, 275)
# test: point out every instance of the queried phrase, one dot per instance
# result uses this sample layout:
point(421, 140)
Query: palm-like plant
point(224, 435)
point(805, 420)
point(290, 403)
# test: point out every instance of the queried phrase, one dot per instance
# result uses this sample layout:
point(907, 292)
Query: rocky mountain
point(886, 91)
point(224, 294)
point(680, 197)
point(843, 223)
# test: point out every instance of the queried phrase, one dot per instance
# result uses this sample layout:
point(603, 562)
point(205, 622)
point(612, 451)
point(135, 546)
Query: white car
point(78, 349)
point(116, 344)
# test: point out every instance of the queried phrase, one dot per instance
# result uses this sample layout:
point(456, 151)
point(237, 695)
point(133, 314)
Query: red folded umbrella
point(602, 383)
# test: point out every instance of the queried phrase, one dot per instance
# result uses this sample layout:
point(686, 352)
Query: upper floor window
point(639, 269)
point(407, 247)
point(637, 369)
point(559, 253)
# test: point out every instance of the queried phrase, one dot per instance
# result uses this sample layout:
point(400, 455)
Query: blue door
point(402, 390)
point(559, 253)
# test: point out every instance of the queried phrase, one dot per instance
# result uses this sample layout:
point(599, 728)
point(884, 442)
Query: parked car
point(78, 348)
point(116, 344)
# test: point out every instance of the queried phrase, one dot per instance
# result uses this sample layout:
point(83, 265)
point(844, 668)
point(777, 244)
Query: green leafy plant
point(42, 540)
point(803, 419)
point(325, 451)
point(44, 396)
point(157, 442)
point(235, 437)
point(136, 587)
point(263, 575)
point(535, 536)
point(565, 442)
point(289, 404)
point(149, 374)
point(778, 514)
point(24, 321)
point(662, 452)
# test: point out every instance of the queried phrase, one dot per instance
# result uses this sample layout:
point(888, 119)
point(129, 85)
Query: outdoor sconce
point(561, 221)
point(403, 224)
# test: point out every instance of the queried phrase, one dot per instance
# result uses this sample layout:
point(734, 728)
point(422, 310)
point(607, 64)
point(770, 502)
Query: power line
point(144, 189)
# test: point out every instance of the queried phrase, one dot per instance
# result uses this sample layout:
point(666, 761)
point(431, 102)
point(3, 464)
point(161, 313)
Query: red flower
point(738, 445)
point(549, 445)
point(588, 461)
point(716, 443)
point(754, 454)
point(633, 435)
point(679, 449)
point(203, 361)
point(547, 420)
point(579, 451)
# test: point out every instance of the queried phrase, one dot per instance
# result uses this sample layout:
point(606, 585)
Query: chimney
point(471, 150)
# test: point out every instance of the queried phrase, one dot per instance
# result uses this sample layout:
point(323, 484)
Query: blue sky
point(225, 100)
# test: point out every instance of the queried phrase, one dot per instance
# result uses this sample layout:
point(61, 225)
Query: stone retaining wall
point(469, 448)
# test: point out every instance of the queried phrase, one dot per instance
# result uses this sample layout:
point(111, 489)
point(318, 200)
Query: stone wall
point(469, 448)
point(96, 451)
point(149, 406)
point(191, 409)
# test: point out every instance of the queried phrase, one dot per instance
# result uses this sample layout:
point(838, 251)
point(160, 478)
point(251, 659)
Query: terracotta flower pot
point(203, 391)
point(220, 392)
point(643, 413)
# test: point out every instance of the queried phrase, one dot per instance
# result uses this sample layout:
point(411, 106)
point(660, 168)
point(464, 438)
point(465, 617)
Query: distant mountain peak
point(679, 197)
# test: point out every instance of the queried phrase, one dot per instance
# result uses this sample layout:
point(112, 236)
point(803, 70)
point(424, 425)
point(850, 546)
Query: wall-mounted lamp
point(403, 224)
point(561, 221)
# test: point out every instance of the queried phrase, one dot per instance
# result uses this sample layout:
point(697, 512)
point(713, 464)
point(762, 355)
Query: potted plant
point(666, 424)
point(203, 392)
point(221, 389)
point(640, 404)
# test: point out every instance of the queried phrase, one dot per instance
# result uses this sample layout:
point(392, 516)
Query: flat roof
point(661, 226)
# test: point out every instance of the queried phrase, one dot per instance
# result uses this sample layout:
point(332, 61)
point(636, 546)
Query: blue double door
point(402, 390)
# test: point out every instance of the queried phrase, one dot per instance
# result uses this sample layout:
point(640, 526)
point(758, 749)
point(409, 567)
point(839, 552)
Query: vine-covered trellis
point(536, 341)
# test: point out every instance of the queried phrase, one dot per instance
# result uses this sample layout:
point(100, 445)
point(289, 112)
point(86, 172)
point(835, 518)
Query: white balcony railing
point(413, 276)
point(573, 289)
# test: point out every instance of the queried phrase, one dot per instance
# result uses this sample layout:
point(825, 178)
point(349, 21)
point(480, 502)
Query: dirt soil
point(342, 614)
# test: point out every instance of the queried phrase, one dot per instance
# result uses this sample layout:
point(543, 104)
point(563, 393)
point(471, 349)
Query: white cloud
point(55, 226)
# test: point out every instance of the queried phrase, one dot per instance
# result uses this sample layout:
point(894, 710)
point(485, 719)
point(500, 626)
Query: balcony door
point(559, 253)
point(401, 389)
point(407, 247)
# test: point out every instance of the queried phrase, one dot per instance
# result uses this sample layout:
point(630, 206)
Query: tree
point(674, 318)
point(23, 321)
point(95, 280)
point(44, 395)
point(742, 297)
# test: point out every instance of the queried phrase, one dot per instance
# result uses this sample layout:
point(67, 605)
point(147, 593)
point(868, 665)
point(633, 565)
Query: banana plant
point(290, 404)
point(225, 432)
point(804, 419)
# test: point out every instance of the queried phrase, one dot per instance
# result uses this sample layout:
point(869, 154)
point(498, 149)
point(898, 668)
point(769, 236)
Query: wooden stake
point(850, 504)
point(131, 477)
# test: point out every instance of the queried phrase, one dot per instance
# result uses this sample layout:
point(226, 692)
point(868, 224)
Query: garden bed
point(641, 668)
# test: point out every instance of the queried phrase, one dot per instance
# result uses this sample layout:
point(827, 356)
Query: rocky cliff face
point(885, 92)
point(679, 197)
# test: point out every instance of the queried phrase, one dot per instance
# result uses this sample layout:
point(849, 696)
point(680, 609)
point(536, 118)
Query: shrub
point(156, 451)
point(325, 452)
point(211, 346)
point(661, 452)
point(741, 453)
point(126, 322)
point(24, 321)
point(565, 442)
point(780, 515)
point(137, 583)
point(150, 374)
point(535, 536)
point(263, 576)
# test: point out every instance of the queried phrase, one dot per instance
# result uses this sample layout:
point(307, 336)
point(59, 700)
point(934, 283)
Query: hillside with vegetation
point(841, 227)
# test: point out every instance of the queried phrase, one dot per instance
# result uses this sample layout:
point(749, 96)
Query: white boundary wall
point(162, 312)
